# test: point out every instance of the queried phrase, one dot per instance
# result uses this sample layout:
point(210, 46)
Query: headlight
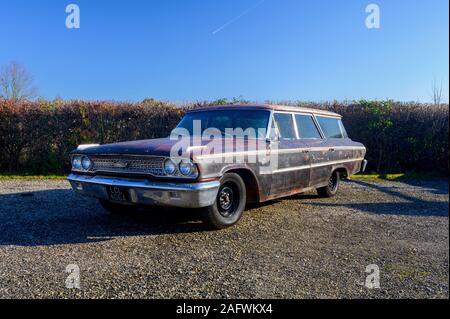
point(86, 163)
point(185, 168)
point(169, 167)
point(76, 162)
point(188, 169)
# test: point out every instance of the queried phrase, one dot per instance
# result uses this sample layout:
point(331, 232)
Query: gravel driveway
point(299, 247)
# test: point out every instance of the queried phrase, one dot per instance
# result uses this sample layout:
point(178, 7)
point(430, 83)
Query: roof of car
point(282, 108)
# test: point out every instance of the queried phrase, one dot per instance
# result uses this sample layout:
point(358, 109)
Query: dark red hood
point(158, 147)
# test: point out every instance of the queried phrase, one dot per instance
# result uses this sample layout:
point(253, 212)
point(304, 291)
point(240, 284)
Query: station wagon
point(220, 158)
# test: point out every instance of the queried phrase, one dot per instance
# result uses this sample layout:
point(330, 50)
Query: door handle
point(331, 149)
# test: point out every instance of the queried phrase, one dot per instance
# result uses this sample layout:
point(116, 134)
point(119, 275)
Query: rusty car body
point(297, 150)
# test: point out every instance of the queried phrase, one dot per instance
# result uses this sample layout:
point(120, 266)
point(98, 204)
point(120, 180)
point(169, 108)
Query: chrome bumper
point(144, 192)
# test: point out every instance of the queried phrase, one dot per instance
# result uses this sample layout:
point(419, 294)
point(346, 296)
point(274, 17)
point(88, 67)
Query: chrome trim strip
point(82, 147)
point(291, 169)
point(240, 153)
point(337, 162)
point(340, 148)
point(167, 186)
point(337, 116)
point(294, 122)
point(302, 167)
point(281, 151)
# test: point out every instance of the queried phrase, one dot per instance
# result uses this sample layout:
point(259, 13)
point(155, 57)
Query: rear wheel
point(114, 208)
point(332, 188)
point(230, 202)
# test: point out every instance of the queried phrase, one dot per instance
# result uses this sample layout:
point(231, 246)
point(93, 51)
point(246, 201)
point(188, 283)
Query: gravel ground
point(299, 247)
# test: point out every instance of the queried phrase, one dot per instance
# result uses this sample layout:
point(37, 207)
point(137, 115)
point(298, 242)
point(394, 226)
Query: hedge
point(36, 137)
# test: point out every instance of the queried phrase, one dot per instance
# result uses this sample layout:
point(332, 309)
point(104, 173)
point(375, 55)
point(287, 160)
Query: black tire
point(333, 186)
point(114, 208)
point(230, 203)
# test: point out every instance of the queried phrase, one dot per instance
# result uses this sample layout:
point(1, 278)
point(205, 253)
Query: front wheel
point(230, 202)
point(332, 188)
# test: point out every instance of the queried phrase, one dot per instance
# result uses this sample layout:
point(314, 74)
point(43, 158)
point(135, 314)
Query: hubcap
point(227, 200)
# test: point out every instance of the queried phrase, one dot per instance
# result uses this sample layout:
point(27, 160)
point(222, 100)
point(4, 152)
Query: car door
point(323, 152)
point(293, 166)
point(309, 133)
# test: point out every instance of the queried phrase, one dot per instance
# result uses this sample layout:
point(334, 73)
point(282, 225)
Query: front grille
point(128, 164)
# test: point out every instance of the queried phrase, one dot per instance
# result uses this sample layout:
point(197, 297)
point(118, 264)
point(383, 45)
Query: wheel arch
point(342, 170)
point(251, 182)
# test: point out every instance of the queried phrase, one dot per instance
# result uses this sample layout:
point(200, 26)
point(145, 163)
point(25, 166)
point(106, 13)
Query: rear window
point(306, 127)
point(285, 126)
point(331, 127)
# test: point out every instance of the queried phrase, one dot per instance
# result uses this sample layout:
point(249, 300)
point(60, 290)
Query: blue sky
point(311, 50)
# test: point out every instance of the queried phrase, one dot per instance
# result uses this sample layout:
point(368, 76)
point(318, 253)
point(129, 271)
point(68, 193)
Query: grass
point(395, 177)
point(407, 272)
point(30, 177)
point(389, 177)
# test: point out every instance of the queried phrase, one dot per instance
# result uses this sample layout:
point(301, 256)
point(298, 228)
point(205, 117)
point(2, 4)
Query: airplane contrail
point(238, 17)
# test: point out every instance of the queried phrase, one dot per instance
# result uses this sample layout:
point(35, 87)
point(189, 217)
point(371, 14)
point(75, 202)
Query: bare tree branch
point(437, 93)
point(16, 83)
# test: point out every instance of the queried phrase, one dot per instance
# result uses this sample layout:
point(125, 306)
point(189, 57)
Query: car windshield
point(227, 122)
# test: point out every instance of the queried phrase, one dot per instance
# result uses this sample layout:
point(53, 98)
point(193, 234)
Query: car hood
point(158, 147)
point(162, 147)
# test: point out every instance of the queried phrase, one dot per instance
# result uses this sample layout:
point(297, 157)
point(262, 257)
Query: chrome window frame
point(269, 126)
point(293, 123)
point(319, 130)
point(312, 115)
point(270, 111)
point(338, 118)
point(343, 130)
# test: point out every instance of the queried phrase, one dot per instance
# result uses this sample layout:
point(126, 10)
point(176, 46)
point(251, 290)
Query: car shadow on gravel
point(60, 216)
point(435, 186)
point(407, 205)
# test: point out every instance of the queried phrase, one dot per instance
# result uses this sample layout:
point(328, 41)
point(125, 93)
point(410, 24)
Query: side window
point(285, 126)
point(330, 127)
point(306, 126)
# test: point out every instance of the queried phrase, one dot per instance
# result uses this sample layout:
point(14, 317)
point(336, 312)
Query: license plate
point(117, 194)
